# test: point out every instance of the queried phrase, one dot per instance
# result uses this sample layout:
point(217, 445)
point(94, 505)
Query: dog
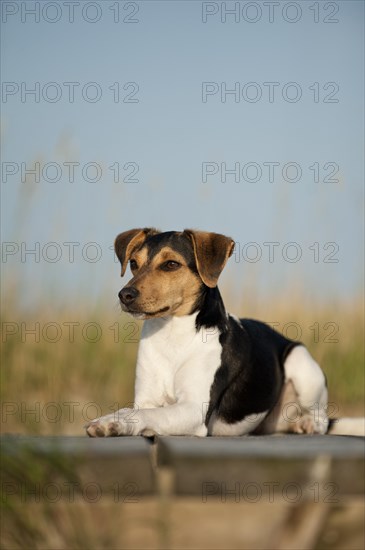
point(201, 371)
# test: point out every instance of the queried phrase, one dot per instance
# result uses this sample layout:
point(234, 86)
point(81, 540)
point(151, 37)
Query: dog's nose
point(128, 295)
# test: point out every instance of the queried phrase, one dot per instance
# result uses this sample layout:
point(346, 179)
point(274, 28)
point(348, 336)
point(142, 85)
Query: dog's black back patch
point(251, 374)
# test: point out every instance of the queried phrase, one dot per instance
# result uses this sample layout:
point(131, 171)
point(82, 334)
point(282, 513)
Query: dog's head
point(170, 270)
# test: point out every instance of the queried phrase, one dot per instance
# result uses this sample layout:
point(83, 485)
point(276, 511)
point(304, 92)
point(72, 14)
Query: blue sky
point(168, 132)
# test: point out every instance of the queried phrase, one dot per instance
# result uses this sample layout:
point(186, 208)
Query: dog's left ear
point(212, 251)
point(126, 242)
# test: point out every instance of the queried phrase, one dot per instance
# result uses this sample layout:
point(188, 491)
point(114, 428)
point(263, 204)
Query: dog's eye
point(170, 266)
point(133, 265)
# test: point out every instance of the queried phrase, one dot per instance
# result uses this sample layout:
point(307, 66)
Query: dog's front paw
point(94, 429)
point(111, 425)
point(103, 429)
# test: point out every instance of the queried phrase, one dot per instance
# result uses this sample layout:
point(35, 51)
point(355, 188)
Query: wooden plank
point(109, 465)
point(214, 466)
point(290, 446)
point(232, 467)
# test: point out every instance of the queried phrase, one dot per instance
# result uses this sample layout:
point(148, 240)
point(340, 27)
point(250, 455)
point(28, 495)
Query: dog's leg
point(308, 413)
point(177, 419)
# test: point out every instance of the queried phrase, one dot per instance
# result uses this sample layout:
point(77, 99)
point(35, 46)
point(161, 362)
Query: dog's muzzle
point(128, 295)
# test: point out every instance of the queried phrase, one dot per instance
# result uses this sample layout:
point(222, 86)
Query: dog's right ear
point(126, 242)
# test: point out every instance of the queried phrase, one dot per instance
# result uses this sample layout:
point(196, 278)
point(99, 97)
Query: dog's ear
point(212, 251)
point(126, 242)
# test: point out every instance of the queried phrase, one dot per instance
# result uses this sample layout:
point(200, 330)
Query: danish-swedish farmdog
point(201, 371)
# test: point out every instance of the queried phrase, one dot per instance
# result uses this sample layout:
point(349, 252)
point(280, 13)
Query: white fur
point(348, 426)
point(243, 427)
point(310, 385)
point(175, 370)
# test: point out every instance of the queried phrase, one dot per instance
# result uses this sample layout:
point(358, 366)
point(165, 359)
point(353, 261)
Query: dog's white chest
point(175, 361)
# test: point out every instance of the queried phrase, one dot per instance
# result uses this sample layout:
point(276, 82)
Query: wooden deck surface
point(266, 492)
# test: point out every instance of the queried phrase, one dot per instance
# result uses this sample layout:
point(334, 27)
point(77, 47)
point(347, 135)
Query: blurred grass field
point(61, 369)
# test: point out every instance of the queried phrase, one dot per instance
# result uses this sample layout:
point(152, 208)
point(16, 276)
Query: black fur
point(251, 375)
point(211, 310)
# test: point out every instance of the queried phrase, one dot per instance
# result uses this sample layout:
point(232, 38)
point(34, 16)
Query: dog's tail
point(347, 426)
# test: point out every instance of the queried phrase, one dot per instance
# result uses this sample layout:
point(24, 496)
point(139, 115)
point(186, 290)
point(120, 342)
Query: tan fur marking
point(166, 253)
point(126, 242)
point(212, 251)
point(140, 256)
point(175, 290)
point(276, 421)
